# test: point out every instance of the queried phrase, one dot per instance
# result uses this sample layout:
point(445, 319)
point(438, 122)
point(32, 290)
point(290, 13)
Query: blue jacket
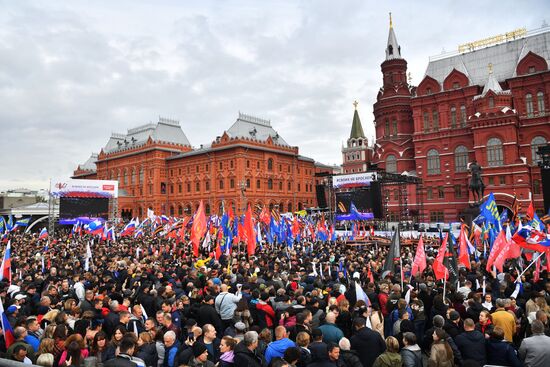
point(331, 333)
point(277, 349)
point(170, 355)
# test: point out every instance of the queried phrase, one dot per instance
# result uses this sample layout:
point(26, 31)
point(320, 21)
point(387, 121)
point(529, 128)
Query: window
point(280, 185)
point(171, 211)
point(396, 194)
point(491, 180)
point(188, 187)
point(536, 187)
point(536, 143)
point(171, 188)
point(433, 162)
point(491, 102)
point(206, 167)
point(258, 165)
point(456, 85)
point(247, 183)
point(394, 123)
point(532, 69)
point(221, 184)
point(197, 186)
point(429, 193)
point(258, 184)
point(299, 188)
point(207, 209)
point(462, 116)
point(180, 210)
point(494, 152)
point(270, 184)
point(280, 167)
point(458, 191)
point(247, 163)
point(529, 104)
point(289, 207)
point(232, 183)
point(437, 217)
point(540, 102)
point(461, 159)
point(435, 118)
point(197, 169)
point(502, 180)
point(426, 122)
point(179, 188)
point(441, 192)
point(231, 163)
point(289, 186)
point(391, 164)
point(221, 165)
point(162, 188)
point(133, 178)
point(207, 185)
point(453, 117)
point(387, 128)
point(124, 176)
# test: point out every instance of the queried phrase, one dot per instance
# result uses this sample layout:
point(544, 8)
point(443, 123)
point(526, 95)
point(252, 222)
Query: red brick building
point(157, 168)
point(490, 105)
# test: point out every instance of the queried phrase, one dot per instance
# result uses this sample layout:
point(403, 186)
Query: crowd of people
point(160, 306)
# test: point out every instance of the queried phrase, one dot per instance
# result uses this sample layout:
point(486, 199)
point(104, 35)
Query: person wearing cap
point(200, 356)
point(453, 325)
point(12, 313)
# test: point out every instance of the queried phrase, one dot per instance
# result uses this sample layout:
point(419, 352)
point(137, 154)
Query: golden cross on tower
point(490, 68)
point(391, 23)
point(355, 103)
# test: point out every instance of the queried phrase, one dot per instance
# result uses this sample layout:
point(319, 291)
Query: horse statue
point(476, 182)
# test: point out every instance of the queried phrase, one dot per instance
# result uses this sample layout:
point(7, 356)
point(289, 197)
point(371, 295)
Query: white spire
point(393, 50)
point(492, 83)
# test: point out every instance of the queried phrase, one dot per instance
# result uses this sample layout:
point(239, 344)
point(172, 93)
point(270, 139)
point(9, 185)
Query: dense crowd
point(150, 302)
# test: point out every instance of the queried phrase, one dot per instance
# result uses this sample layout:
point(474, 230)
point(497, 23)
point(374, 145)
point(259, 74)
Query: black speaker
point(376, 195)
point(321, 198)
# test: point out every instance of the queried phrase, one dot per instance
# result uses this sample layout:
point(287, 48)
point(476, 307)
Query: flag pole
point(445, 287)
point(528, 266)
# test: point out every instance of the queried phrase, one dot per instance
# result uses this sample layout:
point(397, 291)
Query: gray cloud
point(71, 73)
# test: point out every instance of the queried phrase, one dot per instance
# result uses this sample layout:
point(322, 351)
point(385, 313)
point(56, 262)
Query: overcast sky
point(72, 72)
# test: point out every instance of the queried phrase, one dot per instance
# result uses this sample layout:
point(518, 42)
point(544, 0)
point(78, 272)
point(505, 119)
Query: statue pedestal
point(471, 212)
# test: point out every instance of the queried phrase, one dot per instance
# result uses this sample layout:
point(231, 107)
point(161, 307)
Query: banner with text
point(71, 187)
point(353, 180)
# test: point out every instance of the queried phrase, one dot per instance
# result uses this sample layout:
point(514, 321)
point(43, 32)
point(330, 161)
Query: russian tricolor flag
point(43, 234)
point(128, 229)
point(5, 268)
point(6, 327)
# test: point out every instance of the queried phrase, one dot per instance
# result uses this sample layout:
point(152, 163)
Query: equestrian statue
point(476, 182)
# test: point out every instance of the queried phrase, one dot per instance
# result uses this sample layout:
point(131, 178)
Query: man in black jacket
point(244, 351)
point(368, 344)
point(208, 314)
point(124, 358)
point(471, 343)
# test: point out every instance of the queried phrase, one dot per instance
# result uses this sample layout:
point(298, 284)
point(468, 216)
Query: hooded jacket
point(388, 359)
point(411, 356)
point(277, 349)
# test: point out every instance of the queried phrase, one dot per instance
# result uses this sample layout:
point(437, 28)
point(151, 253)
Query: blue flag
point(489, 210)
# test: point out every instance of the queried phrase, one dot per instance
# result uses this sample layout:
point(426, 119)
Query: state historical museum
point(488, 105)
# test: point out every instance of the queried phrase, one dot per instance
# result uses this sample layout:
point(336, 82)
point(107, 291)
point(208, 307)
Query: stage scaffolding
point(407, 212)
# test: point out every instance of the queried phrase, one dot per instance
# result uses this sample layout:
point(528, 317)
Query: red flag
point(536, 276)
point(440, 271)
point(500, 245)
point(464, 256)
point(249, 232)
point(530, 211)
point(295, 227)
point(265, 216)
point(370, 276)
point(218, 251)
point(419, 263)
point(198, 229)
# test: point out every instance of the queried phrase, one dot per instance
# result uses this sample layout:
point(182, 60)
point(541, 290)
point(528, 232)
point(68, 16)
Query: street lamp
point(242, 187)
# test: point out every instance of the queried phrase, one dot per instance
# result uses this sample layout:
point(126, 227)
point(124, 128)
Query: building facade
point(488, 105)
point(157, 168)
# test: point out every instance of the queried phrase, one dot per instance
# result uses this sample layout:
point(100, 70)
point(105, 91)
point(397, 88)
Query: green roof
point(356, 127)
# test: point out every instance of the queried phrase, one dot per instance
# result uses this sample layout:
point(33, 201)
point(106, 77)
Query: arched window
point(491, 102)
point(221, 184)
point(529, 104)
point(387, 128)
point(394, 123)
point(433, 162)
point(289, 207)
point(270, 164)
point(453, 117)
point(391, 164)
point(207, 209)
point(141, 175)
point(133, 180)
point(270, 184)
point(536, 143)
point(461, 158)
point(258, 184)
point(462, 116)
point(180, 210)
point(540, 102)
point(494, 152)
point(171, 211)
